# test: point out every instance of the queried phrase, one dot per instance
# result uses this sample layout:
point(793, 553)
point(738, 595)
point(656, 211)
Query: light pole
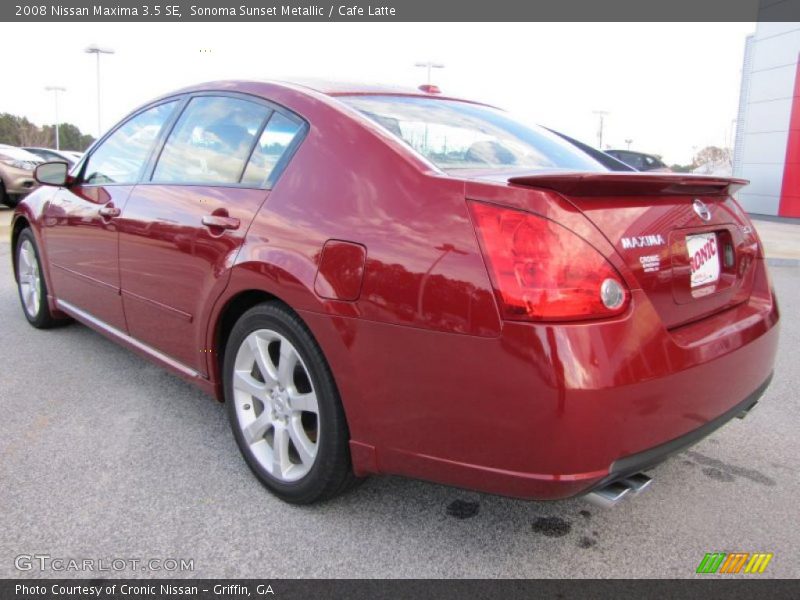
point(628, 143)
point(97, 51)
point(55, 89)
point(601, 114)
point(429, 65)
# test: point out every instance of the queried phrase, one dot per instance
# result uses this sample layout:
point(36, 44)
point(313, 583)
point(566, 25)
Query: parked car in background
point(16, 173)
point(640, 161)
point(381, 281)
point(74, 154)
point(608, 161)
point(51, 155)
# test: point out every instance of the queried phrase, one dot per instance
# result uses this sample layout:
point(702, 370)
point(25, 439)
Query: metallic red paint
point(172, 266)
point(341, 271)
point(82, 248)
point(434, 384)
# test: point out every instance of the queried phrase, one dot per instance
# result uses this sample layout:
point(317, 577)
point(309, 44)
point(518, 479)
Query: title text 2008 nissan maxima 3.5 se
point(390, 281)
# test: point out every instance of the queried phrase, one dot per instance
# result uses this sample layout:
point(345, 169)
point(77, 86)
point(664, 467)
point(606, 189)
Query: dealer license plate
point(703, 258)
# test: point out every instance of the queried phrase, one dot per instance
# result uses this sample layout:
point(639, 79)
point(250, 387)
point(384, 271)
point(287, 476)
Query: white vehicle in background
point(76, 155)
point(51, 155)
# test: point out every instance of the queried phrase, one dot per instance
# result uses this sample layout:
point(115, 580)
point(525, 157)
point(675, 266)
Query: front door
point(80, 222)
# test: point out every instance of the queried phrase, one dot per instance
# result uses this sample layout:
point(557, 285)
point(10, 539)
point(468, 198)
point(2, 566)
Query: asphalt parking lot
point(103, 455)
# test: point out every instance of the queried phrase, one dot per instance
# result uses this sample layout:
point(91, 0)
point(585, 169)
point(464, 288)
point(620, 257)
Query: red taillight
point(541, 271)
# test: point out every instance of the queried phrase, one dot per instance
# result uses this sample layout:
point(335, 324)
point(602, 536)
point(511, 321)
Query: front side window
point(211, 141)
point(278, 135)
point(122, 155)
point(460, 135)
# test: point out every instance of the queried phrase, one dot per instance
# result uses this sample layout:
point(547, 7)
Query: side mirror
point(52, 173)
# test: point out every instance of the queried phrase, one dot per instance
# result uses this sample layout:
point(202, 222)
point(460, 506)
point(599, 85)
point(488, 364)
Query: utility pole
point(55, 89)
point(97, 51)
point(601, 114)
point(429, 65)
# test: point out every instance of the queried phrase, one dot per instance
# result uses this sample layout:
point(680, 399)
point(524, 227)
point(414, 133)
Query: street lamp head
point(430, 65)
point(95, 49)
point(54, 88)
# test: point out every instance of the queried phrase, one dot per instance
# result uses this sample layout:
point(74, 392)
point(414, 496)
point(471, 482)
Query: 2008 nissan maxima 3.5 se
point(390, 281)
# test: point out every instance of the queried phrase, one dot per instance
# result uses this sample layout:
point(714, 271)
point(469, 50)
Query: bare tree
point(713, 155)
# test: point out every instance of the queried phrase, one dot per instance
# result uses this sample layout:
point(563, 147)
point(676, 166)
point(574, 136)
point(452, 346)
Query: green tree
point(19, 131)
point(70, 137)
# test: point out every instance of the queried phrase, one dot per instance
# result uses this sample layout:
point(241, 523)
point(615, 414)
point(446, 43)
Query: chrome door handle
point(109, 211)
point(220, 222)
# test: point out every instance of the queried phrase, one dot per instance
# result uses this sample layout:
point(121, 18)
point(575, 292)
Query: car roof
point(325, 87)
point(349, 88)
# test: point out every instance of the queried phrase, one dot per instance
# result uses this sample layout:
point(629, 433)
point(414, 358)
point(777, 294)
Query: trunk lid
point(688, 244)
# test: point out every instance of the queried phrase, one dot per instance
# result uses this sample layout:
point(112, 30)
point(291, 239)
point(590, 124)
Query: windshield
point(459, 135)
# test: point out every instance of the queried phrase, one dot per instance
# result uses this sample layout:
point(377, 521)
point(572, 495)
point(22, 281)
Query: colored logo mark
point(735, 562)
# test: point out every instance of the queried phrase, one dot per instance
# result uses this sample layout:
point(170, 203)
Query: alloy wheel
point(276, 405)
point(30, 285)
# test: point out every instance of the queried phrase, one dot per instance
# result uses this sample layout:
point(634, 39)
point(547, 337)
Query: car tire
point(31, 285)
point(275, 377)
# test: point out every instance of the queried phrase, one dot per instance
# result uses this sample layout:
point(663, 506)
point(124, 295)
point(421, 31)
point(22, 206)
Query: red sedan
point(389, 281)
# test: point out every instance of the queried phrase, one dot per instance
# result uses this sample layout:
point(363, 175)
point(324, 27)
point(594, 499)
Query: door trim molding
point(86, 278)
point(104, 327)
point(171, 310)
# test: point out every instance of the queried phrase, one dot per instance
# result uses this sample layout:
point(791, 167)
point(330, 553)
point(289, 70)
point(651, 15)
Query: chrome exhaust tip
point(637, 483)
point(746, 411)
point(611, 494)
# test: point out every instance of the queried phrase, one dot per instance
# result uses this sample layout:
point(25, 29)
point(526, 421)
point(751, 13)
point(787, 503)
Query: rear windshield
point(459, 135)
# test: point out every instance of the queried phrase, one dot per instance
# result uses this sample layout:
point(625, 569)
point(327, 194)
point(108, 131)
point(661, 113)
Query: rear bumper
point(642, 461)
point(545, 411)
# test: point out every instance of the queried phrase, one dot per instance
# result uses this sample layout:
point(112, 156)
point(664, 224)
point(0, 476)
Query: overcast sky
point(667, 86)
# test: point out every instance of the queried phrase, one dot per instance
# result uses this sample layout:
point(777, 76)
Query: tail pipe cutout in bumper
point(626, 477)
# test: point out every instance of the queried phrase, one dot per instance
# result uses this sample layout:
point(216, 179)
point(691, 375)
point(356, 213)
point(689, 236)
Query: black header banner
point(399, 10)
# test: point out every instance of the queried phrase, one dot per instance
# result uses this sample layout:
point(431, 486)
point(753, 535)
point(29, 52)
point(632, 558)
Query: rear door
point(181, 230)
point(79, 224)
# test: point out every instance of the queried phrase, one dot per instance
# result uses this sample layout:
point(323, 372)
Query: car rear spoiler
point(630, 184)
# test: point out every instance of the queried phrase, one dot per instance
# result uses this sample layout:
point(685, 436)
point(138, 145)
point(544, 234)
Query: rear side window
point(276, 139)
point(120, 158)
point(211, 141)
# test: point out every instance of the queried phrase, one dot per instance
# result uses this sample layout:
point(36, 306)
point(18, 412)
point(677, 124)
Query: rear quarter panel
point(351, 181)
